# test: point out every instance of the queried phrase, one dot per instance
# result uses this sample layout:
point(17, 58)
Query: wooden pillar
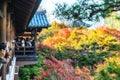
point(8, 34)
point(11, 34)
point(35, 34)
point(3, 8)
point(11, 25)
point(12, 31)
point(35, 39)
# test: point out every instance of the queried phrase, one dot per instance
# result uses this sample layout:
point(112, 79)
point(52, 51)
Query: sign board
point(34, 31)
point(1, 14)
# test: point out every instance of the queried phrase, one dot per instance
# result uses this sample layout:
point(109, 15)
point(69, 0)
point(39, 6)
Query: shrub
point(86, 47)
point(110, 70)
point(63, 70)
point(30, 71)
point(24, 73)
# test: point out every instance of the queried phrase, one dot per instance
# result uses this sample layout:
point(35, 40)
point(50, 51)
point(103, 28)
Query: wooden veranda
point(15, 17)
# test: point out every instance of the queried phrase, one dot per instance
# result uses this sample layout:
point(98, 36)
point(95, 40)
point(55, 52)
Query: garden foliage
point(31, 71)
point(63, 70)
point(79, 53)
point(85, 47)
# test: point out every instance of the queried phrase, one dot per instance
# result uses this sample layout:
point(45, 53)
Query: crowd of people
point(22, 42)
point(5, 47)
point(5, 51)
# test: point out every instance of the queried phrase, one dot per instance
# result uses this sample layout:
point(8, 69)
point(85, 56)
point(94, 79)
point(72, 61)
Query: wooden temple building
point(18, 18)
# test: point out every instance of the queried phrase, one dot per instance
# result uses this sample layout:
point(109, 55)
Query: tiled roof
point(39, 20)
point(79, 23)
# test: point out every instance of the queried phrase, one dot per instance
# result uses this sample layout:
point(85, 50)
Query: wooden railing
point(7, 68)
point(26, 53)
point(24, 50)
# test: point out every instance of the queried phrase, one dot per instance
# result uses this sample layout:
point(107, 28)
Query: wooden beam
point(22, 12)
point(28, 35)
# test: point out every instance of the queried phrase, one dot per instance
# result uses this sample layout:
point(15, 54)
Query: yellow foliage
point(114, 59)
point(77, 70)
